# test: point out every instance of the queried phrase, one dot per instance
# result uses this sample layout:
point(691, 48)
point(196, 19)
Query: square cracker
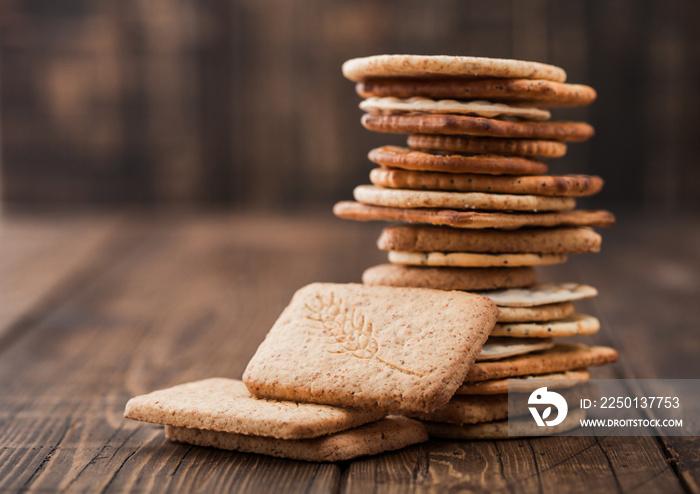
point(388, 434)
point(371, 346)
point(225, 405)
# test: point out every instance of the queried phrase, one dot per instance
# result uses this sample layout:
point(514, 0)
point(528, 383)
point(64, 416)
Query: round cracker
point(473, 260)
point(526, 384)
point(541, 294)
point(401, 198)
point(478, 126)
point(563, 357)
point(578, 324)
point(482, 108)
point(540, 93)
point(487, 145)
point(404, 158)
point(500, 348)
point(503, 429)
point(549, 312)
point(358, 69)
point(472, 219)
point(449, 278)
point(542, 185)
point(420, 238)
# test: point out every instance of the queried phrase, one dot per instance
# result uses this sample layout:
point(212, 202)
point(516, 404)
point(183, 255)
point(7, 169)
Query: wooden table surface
point(97, 309)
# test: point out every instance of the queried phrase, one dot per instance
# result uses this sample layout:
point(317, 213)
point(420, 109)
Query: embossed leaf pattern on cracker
point(348, 330)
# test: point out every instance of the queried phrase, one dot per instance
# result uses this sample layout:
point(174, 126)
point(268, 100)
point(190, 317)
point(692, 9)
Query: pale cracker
point(499, 348)
point(541, 294)
point(387, 434)
point(498, 429)
point(477, 126)
point(563, 357)
point(540, 313)
point(471, 219)
point(488, 164)
point(225, 405)
point(358, 69)
point(400, 198)
point(371, 346)
point(467, 410)
point(473, 260)
point(578, 324)
point(542, 185)
point(526, 384)
point(448, 278)
point(420, 238)
point(391, 105)
point(543, 94)
point(488, 145)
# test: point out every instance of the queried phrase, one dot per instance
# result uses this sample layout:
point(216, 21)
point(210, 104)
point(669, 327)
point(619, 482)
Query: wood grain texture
point(169, 299)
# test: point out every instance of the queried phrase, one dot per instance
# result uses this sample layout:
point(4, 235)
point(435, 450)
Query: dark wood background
point(242, 103)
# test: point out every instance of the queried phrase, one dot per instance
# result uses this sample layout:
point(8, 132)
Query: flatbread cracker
point(392, 105)
point(448, 278)
point(487, 145)
point(476, 126)
point(226, 405)
point(371, 346)
point(576, 325)
point(358, 69)
point(540, 313)
point(541, 294)
point(467, 410)
point(400, 198)
point(563, 357)
point(498, 429)
point(420, 238)
point(500, 348)
point(472, 219)
point(490, 164)
point(527, 384)
point(388, 434)
point(540, 93)
point(473, 260)
point(541, 185)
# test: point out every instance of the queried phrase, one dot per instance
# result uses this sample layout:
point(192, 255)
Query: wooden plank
point(174, 301)
point(38, 253)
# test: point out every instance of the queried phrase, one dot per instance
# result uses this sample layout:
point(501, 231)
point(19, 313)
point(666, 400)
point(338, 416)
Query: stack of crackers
point(426, 345)
point(478, 210)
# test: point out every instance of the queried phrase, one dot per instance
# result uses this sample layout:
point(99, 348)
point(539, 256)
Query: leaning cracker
point(225, 405)
point(448, 278)
point(371, 346)
point(499, 429)
point(490, 164)
point(467, 410)
point(541, 185)
point(500, 348)
point(358, 69)
point(471, 219)
point(540, 313)
point(388, 434)
point(487, 145)
point(476, 126)
point(400, 198)
point(541, 294)
point(539, 93)
point(562, 357)
point(473, 260)
point(419, 238)
point(578, 324)
point(392, 105)
point(526, 384)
